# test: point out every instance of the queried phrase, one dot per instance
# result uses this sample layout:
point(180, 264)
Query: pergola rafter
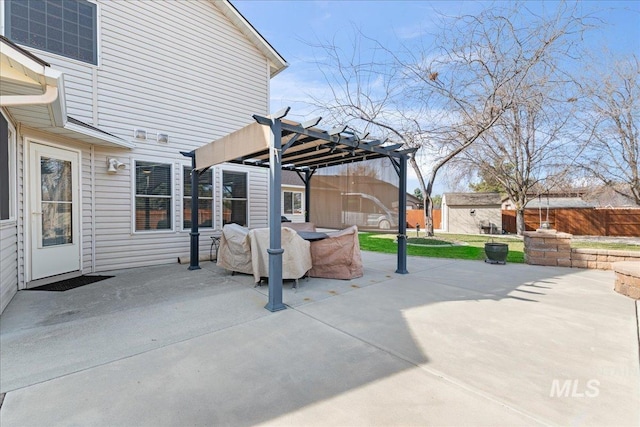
point(279, 144)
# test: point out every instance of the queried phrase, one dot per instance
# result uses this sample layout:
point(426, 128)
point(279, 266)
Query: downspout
point(93, 209)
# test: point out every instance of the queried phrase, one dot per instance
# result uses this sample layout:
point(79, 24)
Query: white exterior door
point(55, 211)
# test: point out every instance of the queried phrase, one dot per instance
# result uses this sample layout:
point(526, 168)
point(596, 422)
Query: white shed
point(472, 213)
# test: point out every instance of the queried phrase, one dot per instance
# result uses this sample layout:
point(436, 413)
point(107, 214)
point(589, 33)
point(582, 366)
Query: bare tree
point(531, 148)
point(443, 97)
point(612, 98)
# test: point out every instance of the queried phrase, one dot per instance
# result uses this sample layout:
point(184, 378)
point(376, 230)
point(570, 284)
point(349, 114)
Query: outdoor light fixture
point(114, 165)
point(162, 137)
point(140, 134)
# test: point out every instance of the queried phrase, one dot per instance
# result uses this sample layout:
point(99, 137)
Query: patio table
point(312, 235)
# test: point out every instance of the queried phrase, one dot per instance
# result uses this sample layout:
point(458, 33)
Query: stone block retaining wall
point(627, 278)
point(548, 247)
point(601, 258)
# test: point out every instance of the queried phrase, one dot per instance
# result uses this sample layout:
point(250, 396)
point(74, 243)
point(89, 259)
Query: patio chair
point(338, 256)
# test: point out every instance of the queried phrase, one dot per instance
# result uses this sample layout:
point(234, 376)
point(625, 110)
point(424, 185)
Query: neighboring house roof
point(471, 199)
point(276, 62)
point(291, 178)
point(558, 202)
point(33, 92)
point(605, 196)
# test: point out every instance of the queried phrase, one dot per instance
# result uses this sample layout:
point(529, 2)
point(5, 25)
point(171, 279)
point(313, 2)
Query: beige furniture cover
point(234, 252)
point(296, 259)
point(338, 256)
point(245, 251)
point(300, 226)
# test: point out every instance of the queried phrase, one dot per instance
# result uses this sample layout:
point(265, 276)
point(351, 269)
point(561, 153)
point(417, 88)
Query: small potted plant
point(496, 252)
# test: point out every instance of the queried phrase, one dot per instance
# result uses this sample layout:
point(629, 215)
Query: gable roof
point(472, 199)
point(276, 62)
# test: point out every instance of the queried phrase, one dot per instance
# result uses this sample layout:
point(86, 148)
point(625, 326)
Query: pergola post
point(194, 234)
point(275, 250)
point(402, 216)
point(307, 195)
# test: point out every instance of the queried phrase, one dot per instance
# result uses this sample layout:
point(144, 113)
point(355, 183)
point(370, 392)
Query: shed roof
point(472, 199)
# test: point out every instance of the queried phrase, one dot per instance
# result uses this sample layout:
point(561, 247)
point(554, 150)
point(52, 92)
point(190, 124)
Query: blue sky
point(290, 26)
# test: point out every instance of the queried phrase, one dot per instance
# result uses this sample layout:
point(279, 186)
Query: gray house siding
point(195, 85)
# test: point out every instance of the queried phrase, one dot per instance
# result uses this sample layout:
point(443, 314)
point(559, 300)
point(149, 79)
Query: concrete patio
point(454, 342)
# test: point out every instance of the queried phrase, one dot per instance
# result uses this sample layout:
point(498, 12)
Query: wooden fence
point(416, 216)
point(580, 222)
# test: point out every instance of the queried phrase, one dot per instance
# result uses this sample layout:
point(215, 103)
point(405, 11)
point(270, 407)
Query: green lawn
point(472, 247)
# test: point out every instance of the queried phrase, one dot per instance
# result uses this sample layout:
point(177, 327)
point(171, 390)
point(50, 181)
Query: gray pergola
point(280, 144)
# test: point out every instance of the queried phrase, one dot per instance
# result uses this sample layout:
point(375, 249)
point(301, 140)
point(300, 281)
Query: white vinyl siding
point(86, 216)
point(9, 226)
point(8, 263)
point(220, 79)
point(221, 83)
point(196, 85)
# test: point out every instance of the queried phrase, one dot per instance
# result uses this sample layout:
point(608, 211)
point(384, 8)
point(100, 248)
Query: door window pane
point(56, 205)
point(56, 223)
point(55, 178)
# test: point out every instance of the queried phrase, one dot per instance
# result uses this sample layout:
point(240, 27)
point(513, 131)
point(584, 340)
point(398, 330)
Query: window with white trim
point(64, 27)
point(292, 201)
point(205, 198)
point(7, 170)
point(234, 198)
point(153, 197)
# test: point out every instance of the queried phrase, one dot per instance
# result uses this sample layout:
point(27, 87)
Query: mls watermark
point(574, 388)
